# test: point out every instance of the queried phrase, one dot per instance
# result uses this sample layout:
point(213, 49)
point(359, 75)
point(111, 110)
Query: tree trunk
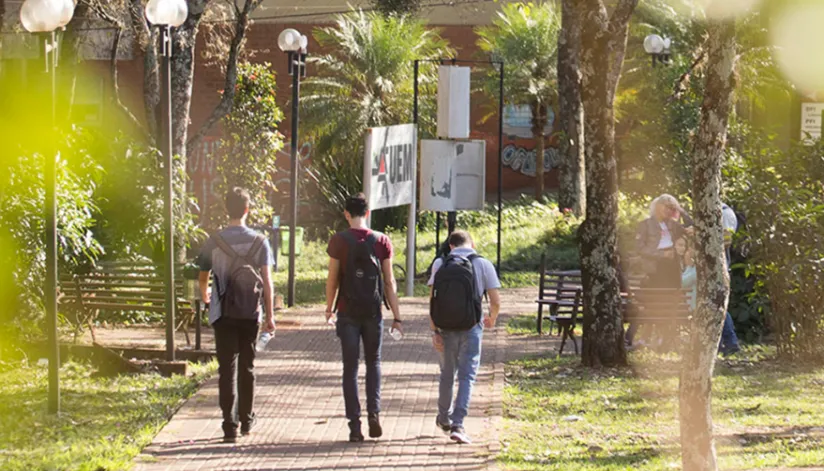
point(603, 42)
point(697, 445)
point(539, 119)
point(572, 177)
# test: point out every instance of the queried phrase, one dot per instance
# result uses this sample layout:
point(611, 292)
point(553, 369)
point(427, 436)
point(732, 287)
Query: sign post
point(390, 179)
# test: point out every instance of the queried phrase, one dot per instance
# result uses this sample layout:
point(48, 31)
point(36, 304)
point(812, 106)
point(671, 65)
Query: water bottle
point(395, 333)
point(263, 341)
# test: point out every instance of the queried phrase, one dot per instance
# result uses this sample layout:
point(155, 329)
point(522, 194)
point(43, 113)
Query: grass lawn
point(528, 229)
point(104, 424)
point(559, 416)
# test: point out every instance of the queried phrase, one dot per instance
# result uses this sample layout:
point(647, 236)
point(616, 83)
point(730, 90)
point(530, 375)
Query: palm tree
point(525, 36)
point(365, 80)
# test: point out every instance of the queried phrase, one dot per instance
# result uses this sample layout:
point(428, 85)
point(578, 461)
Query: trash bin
point(284, 240)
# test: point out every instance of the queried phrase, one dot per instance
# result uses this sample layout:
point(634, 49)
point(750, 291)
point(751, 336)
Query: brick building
point(456, 21)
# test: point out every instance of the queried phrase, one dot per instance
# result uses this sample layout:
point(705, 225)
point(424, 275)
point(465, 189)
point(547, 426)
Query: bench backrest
point(122, 286)
point(658, 305)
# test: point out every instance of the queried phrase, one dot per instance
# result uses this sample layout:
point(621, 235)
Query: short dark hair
point(357, 205)
point(237, 202)
point(459, 239)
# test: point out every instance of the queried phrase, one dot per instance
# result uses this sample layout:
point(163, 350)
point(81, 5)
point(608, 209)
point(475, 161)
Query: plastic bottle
point(395, 334)
point(264, 340)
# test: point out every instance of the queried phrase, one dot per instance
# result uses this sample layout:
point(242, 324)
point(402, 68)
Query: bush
point(248, 156)
point(783, 198)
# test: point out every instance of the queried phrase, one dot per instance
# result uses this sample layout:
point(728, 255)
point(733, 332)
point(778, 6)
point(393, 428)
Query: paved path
point(300, 406)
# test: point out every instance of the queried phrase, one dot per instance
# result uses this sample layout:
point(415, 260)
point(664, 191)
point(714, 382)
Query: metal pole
point(51, 239)
point(414, 265)
point(500, 161)
point(168, 196)
point(198, 325)
point(293, 189)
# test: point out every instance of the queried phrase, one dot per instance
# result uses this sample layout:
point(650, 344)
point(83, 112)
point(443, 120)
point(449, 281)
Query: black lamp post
point(294, 45)
point(46, 17)
point(168, 14)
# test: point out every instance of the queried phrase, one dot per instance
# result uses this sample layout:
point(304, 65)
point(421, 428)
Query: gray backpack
point(244, 285)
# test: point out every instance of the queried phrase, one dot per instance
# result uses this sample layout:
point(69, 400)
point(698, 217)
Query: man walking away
point(729, 339)
point(359, 283)
point(458, 284)
point(240, 260)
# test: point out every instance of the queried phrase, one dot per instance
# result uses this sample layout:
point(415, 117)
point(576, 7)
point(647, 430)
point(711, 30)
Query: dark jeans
point(235, 344)
point(351, 331)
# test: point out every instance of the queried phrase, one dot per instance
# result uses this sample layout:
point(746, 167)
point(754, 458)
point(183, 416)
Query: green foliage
point(104, 423)
point(22, 222)
point(525, 37)
point(783, 198)
point(364, 81)
point(628, 418)
point(247, 157)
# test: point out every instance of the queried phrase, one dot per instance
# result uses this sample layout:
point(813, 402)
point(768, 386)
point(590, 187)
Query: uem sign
point(390, 166)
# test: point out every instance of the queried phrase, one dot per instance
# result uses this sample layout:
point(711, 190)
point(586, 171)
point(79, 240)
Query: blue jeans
point(728, 337)
point(351, 331)
point(461, 356)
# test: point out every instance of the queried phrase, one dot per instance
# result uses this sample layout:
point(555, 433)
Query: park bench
point(666, 308)
point(560, 293)
point(124, 287)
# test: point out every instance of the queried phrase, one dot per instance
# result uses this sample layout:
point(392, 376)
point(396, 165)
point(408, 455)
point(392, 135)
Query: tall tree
point(697, 445)
point(572, 178)
point(603, 46)
point(525, 36)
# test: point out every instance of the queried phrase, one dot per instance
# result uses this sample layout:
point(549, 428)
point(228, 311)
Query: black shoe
point(246, 428)
point(446, 428)
point(458, 434)
point(355, 434)
point(730, 351)
point(375, 429)
point(230, 437)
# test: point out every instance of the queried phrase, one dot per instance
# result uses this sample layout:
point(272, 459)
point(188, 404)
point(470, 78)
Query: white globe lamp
point(167, 12)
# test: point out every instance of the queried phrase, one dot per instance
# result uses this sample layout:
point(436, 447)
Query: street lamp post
point(294, 44)
point(658, 48)
point(46, 17)
point(168, 14)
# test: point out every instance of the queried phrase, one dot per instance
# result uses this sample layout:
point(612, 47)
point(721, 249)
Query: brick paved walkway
point(300, 406)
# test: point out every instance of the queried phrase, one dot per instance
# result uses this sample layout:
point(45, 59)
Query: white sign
point(811, 121)
point(453, 102)
point(390, 166)
point(453, 175)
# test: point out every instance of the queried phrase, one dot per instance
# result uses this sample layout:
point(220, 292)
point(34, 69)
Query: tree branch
point(683, 80)
point(617, 42)
point(118, 35)
point(227, 100)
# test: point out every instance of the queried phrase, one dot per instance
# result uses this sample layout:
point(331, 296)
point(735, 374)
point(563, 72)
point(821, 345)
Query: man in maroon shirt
point(360, 281)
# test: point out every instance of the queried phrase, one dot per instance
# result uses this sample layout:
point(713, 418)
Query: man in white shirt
point(729, 339)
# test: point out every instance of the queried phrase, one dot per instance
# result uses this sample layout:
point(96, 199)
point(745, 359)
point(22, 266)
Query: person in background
point(458, 284)
point(240, 260)
point(729, 339)
point(655, 241)
point(359, 282)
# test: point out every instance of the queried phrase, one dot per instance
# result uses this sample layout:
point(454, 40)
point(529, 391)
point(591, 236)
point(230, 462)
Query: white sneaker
point(459, 435)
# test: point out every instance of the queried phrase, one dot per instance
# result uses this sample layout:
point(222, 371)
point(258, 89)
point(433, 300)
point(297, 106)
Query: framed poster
point(390, 166)
point(453, 175)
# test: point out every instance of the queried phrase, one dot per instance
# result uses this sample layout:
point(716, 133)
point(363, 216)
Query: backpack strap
point(249, 257)
point(253, 250)
point(472, 258)
point(225, 247)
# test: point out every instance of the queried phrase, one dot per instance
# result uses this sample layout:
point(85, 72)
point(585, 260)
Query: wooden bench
point(124, 287)
point(668, 308)
point(560, 292)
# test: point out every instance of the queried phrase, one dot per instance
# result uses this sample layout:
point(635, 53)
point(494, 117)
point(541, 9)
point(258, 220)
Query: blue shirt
point(213, 259)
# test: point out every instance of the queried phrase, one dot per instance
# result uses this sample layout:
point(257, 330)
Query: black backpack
point(244, 285)
point(455, 304)
point(362, 285)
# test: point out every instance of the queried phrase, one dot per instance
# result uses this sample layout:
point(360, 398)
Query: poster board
point(453, 175)
point(811, 122)
point(390, 166)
